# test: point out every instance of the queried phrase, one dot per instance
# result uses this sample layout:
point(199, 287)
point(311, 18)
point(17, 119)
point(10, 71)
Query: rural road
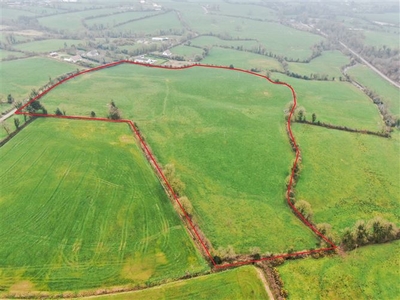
point(264, 280)
point(371, 66)
point(9, 114)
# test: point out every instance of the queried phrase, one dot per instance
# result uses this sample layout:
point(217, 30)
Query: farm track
point(162, 176)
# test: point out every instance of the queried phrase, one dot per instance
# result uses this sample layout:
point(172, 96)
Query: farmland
point(357, 180)
point(334, 102)
point(19, 77)
point(371, 272)
point(204, 41)
point(389, 94)
point(217, 145)
point(46, 46)
point(240, 283)
point(112, 20)
point(73, 219)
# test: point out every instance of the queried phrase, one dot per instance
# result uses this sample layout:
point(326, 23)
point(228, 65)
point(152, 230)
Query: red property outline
point(161, 174)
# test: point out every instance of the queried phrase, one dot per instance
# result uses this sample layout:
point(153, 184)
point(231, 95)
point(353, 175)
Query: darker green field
point(242, 283)
point(81, 208)
point(222, 130)
point(370, 272)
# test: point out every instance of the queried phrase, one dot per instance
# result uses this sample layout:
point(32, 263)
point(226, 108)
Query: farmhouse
point(53, 54)
point(73, 59)
point(92, 53)
point(167, 53)
point(159, 39)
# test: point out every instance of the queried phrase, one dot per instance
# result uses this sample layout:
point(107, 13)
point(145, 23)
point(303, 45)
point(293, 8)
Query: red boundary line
point(148, 152)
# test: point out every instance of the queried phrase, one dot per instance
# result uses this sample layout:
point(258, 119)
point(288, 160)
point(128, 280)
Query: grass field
point(19, 77)
point(240, 59)
point(14, 14)
point(204, 41)
point(392, 18)
point(328, 63)
point(162, 24)
point(6, 54)
point(111, 21)
point(73, 21)
point(370, 272)
point(186, 51)
point(46, 46)
point(242, 283)
point(221, 145)
point(347, 177)
point(380, 39)
point(81, 208)
point(250, 11)
point(338, 103)
point(390, 94)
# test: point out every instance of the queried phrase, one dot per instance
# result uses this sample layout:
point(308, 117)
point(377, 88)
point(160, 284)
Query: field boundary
point(160, 172)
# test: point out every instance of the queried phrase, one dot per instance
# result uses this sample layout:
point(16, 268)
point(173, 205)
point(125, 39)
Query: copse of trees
point(376, 230)
point(113, 111)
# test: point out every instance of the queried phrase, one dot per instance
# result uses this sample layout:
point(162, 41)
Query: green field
point(389, 94)
point(249, 11)
point(158, 25)
point(380, 39)
point(338, 103)
point(45, 46)
point(81, 208)
point(73, 21)
point(240, 59)
point(19, 77)
point(348, 177)
point(112, 20)
point(242, 283)
point(370, 272)
point(220, 145)
point(14, 14)
point(328, 63)
point(7, 54)
point(384, 17)
point(188, 52)
point(204, 41)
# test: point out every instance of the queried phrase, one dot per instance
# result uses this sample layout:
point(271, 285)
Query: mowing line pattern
point(160, 172)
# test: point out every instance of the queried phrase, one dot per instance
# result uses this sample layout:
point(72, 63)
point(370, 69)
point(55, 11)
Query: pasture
point(189, 53)
point(73, 21)
point(241, 59)
point(20, 76)
point(328, 63)
point(348, 177)
point(370, 272)
point(222, 130)
point(389, 94)
point(334, 102)
point(241, 283)
point(112, 20)
point(4, 54)
point(208, 41)
point(47, 46)
point(81, 208)
point(380, 39)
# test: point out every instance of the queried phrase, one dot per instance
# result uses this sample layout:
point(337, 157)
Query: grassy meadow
point(81, 208)
point(370, 272)
point(348, 177)
point(328, 63)
point(112, 20)
point(208, 41)
point(222, 130)
point(334, 102)
point(380, 39)
point(45, 46)
point(189, 53)
point(389, 94)
point(241, 283)
point(19, 77)
point(240, 59)
point(6, 54)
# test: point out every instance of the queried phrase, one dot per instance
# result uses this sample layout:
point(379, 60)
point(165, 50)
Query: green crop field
point(45, 46)
point(204, 41)
point(156, 25)
point(241, 59)
point(73, 21)
point(371, 272)
point(328, 63)
point(348, 177)
point(250, 11)
point(241, 283)
point(224, 148)
point(19, 77)
point(112, 20)
point(389, 94)
point(81, 208)
point(14, 14)
point(334, 102)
